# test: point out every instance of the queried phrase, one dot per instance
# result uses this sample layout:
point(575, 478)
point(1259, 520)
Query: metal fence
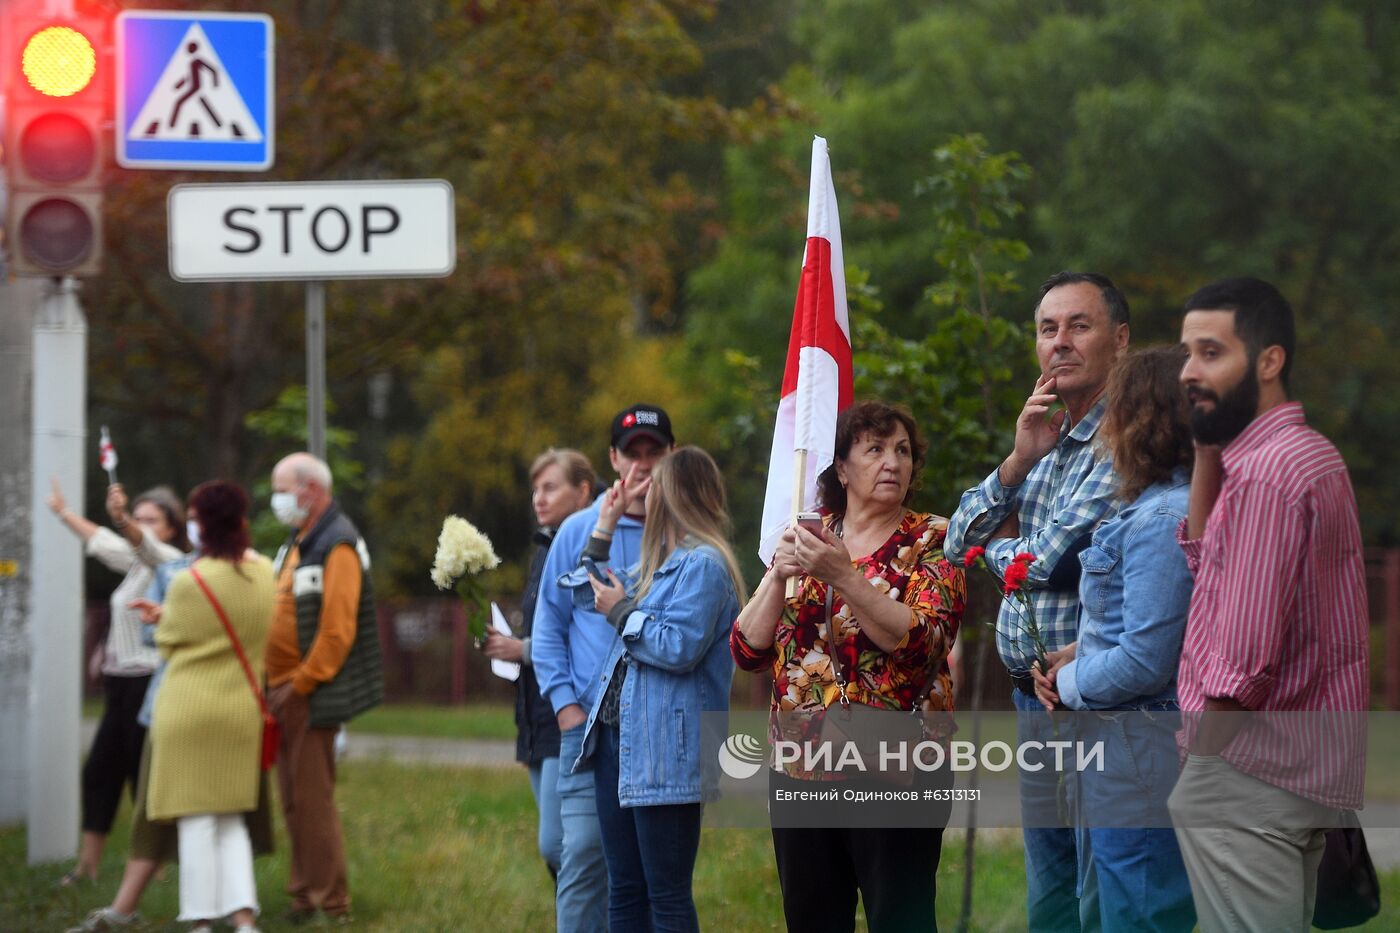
point(429, 658)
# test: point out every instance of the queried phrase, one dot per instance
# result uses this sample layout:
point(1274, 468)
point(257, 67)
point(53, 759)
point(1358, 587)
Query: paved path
point(1382, 840)
point(465, 753)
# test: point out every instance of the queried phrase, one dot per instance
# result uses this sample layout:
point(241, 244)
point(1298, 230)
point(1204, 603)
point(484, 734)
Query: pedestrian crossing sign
point(194, 90)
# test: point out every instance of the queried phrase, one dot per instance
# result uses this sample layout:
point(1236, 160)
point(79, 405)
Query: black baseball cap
point(642, 420)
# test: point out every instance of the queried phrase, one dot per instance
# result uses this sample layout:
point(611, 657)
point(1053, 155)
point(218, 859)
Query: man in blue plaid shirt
point(1045, 499)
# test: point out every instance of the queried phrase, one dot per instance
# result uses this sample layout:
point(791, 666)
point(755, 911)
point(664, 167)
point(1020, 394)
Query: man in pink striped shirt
point(1278, 623)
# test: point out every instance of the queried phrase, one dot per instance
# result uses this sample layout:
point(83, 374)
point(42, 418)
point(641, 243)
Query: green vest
point(359, 684)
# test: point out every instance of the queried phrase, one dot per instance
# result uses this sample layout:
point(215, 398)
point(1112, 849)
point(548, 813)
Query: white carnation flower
point(461, 550)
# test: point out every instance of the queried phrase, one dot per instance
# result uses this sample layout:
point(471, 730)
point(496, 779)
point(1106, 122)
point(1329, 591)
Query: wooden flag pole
point(799, 483)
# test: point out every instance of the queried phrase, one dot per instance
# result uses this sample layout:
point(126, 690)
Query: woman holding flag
point(875, 613)
point(151, 533)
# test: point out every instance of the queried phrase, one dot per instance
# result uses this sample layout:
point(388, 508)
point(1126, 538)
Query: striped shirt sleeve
point(1191, 547)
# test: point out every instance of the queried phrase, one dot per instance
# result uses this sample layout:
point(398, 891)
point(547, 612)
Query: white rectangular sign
point(312, 230)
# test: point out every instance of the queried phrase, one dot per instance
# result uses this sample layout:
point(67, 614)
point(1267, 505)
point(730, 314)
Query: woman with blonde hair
point(668, 667)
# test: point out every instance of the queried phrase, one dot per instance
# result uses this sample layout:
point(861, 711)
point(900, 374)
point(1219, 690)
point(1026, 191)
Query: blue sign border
point(142, 58)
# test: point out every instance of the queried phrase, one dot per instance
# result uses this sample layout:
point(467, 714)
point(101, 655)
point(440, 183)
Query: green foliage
point(960, 377)
point(1172, 143)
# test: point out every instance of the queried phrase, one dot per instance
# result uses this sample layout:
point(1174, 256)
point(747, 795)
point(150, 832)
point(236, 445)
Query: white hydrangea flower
point(462, 549)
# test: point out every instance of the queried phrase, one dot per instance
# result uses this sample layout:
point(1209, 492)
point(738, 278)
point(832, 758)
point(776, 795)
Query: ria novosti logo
point(741, 756)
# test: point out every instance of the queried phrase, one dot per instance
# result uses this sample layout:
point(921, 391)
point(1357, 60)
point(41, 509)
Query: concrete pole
point(18, 300)
point(56, 599)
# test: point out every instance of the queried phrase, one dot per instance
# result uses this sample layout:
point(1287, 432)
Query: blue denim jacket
point(677, 640)
point(1134, 595)
point(156, 594)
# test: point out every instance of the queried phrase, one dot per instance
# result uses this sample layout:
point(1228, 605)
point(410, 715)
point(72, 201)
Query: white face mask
point(284, 506)
point(192, 530)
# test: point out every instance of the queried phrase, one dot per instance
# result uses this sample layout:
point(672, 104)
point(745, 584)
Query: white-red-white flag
point(106, 453)
point(818, 380)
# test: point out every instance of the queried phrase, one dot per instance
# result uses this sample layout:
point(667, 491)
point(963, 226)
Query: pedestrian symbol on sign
point(194, 98)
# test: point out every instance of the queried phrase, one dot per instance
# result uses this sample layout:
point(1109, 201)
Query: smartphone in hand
point(812, 521)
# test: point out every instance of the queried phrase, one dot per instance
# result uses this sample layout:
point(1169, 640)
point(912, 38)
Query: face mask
point(284, 506)
point(192, 530)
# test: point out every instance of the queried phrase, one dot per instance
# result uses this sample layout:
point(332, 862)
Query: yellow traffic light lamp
point(58, 61)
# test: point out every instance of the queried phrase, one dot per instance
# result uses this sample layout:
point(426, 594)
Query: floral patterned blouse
point(909, 567)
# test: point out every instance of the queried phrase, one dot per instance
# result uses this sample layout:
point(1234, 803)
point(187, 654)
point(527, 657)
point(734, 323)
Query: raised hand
point(55, 499)
point(621, 496)
point(117, 503)
point(1037, 432)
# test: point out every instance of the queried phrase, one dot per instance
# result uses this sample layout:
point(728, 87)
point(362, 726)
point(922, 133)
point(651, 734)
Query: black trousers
point(821, 870)
point(114, 761)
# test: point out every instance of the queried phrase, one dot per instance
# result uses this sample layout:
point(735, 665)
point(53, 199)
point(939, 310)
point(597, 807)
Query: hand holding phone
point(594, 571)
point(812, 521)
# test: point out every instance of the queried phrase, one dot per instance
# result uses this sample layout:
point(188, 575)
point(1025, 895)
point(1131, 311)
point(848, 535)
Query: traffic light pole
point(316, 369)
point(56, 594)
point(19, 298)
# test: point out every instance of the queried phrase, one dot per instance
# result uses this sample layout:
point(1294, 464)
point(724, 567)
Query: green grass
point(477, 721)
point(437, 848)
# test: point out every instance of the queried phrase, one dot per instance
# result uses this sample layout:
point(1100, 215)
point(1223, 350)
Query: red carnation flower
point(1025, 557)
point(973, 554)
point(1015, 576)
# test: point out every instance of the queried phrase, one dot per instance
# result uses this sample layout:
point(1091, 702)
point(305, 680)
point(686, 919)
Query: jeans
point(1061, 891)
point(544, 784)
point(1142, 880)
point(650, 853)
point(581, 896)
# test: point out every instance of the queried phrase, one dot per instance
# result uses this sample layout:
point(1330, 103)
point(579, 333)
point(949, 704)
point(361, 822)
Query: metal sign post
point(313, 231)
point(316, 369)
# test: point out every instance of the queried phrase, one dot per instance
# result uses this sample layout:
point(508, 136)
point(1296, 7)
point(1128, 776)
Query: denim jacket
point(1134, 595)
point(677, 640)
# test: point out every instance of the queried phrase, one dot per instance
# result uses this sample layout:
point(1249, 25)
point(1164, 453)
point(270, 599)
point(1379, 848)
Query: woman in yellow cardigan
point(207, 728)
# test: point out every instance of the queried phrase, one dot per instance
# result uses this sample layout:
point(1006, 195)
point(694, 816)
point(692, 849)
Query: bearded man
point(1278, 623)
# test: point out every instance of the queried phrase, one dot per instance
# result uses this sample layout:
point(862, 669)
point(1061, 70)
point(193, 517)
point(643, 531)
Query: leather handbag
point(1348, 893)
point(272, 732)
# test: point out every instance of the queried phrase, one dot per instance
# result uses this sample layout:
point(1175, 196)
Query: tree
point(1173, 143)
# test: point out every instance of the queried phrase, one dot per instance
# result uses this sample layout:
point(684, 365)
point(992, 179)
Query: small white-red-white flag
point(818, 381)
point(106, 453)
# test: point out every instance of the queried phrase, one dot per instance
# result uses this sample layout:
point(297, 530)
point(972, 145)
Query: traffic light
point(54, 153)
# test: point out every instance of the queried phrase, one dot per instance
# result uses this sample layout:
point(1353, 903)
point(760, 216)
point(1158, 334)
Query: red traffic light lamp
point(54, 149)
